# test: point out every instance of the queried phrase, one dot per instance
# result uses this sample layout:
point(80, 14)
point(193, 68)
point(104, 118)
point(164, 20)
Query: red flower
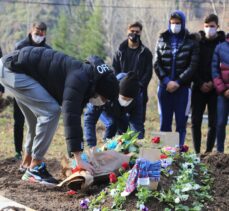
point(163, 156)
point(156, 140)
point(125, 166)
point(77, 168)
point(71, 192)
point(184, 148)
point(112, 178)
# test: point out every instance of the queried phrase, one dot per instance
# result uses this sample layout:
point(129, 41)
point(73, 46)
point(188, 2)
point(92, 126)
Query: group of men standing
point(193, 69)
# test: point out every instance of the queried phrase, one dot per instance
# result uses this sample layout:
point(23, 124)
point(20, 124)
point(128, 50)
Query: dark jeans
point(19, 121)
point(222, 115)
point(199, 102)
point(177, 103)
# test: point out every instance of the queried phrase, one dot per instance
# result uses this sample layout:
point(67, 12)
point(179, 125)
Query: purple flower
point(170, 171)
point(84, 203)
point(143, 207)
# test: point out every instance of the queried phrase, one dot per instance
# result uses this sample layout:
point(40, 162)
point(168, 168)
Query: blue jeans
point(177, 103)
point(222, 115)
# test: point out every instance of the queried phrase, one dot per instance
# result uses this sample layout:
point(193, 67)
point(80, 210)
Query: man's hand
point(205, 88)
point(82, 164)
point(172, 86)
point(226, 94)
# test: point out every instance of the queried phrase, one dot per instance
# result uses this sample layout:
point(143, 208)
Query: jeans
point(222, 116)
point(177, 103)
point(199, 102)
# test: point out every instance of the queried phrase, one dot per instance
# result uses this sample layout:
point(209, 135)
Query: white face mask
point(210, 31)
point(96, 101)
point(124, 103)
point(175, 28)
point(38, 39)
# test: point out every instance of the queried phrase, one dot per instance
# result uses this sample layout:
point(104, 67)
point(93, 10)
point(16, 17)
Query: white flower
point(196, 160)
point(196, 187)
point(187, 187)
point(142, 206)
point(96, 209)
point(177, 200)
point(188, 166)
point(113, 192)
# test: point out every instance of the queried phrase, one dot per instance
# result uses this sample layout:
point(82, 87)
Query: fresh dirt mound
point(45, 198)
point(219, 167)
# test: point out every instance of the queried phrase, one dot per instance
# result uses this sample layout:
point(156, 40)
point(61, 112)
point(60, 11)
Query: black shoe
point(18, 156)
point(39, 174)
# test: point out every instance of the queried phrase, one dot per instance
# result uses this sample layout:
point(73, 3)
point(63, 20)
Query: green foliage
point(79, 33)
point(143, 195)
point(93, 35)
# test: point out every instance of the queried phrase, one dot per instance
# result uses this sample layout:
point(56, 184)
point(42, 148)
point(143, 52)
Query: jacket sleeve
point(76, 86)
point(188, 74)
point(91, 116)
point(116, 63)
point(148, 70)
point(161, 74)
point(216, 76)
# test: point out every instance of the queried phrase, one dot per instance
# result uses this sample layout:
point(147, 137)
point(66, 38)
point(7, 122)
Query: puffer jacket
point(28, 42)
point(69, 81)
point(207, 47)
point(185, 62)
point(220, 67)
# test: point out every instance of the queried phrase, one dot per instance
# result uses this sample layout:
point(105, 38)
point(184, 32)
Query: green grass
point(58, 145)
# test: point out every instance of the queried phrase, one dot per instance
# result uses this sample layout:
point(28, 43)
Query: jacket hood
point(179, 14)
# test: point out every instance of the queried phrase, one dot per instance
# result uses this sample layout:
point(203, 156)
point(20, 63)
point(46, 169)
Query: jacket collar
point(220, 36)
point(29, 39)
point(124, 45)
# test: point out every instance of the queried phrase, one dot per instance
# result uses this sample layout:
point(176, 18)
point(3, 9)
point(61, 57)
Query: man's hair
point(135, 24)
point(40, 25)
point(211, 18)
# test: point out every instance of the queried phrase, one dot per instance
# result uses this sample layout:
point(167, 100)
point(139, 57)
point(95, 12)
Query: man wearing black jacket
point(35, 38)
point(203, 91)
point(42, 80)
point(132, 55)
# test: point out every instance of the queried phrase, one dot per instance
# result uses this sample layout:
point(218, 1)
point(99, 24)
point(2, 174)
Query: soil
point(40, 197)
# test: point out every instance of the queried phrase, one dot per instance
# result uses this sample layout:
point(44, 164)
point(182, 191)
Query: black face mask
point(134, 37)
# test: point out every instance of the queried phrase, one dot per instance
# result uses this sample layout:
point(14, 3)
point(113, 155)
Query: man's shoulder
point(22, 43)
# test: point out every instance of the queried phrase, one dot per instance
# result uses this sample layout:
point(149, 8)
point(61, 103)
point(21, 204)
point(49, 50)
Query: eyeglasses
point(135, 31)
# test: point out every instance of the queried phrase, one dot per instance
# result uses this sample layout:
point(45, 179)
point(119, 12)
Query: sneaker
point(22, 169)
point(39, 174)
point(18, 156)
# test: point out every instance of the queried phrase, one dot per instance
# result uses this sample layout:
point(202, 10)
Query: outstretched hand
point(82, 164)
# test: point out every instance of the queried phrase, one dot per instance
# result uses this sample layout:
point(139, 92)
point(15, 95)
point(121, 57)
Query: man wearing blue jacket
point(176, 60)
point(43, 80)
point(117, 115)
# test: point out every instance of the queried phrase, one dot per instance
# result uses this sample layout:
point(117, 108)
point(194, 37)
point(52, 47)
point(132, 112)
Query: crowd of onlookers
point(193, 73)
